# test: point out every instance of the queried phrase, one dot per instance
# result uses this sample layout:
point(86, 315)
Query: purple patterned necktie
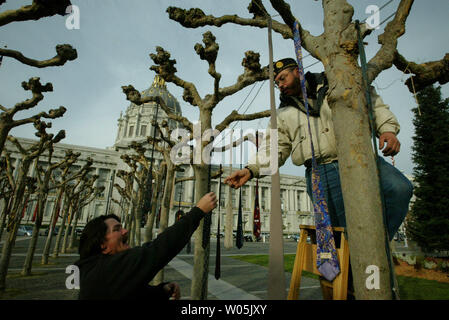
point(327, 260)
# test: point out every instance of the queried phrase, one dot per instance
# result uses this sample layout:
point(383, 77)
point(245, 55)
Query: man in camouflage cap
point(294, 141)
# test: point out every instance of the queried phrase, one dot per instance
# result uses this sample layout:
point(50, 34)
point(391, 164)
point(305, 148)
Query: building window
point(223, 195)
point(131, 131)
point(143, 130)
point(284, 200)
point(244, 196)
point(264, 198)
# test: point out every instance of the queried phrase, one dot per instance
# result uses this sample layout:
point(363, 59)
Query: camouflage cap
point(283, 64)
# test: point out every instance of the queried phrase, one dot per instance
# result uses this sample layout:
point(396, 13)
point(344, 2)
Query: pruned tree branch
point(64, 53)
point(425, 73)
point(209, 53)
point(235, 116)
point(213, 175)
point(252, 73)
point(248, 137)
point(34, 85)
point(389, 39)
point(195, 18)
point(165, 67)
point(38, 9)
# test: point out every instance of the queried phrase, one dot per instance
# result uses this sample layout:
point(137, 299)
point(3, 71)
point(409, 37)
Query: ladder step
point(306, 261)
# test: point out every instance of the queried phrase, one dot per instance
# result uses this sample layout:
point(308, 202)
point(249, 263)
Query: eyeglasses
point(282, 79)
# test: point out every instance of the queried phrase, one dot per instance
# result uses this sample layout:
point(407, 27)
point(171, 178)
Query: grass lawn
point(409, 288)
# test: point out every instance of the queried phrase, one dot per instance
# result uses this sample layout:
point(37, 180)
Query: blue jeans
point(397, 190)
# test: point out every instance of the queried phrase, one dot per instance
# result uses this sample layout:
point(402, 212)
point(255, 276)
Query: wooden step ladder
point(306, 260)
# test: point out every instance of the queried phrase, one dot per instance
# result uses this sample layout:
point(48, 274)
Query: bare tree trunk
point(16, 211)
point(54, 218)
point(132, 231)
point(4, 130)
point(359, 180)
point(73, 232)
point(73, 211)
point(139, 210)
point(151, 216)
point(150, 219)
point(5, 211)
point(6, 254)
point(229, 226)
point(65, 213)
point(201, 255)
point(26, 271)
point(165, 210)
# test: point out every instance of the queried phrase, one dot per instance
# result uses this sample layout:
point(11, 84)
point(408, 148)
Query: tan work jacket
point(294, 138)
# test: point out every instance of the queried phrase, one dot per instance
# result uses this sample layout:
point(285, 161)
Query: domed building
point(135, 124)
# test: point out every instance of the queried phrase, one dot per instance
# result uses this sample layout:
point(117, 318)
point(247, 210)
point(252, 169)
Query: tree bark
point(26, 271)
point(165, 210)
point(65, 213)
point(16, 217)
point(201, 255)
point(54, 218)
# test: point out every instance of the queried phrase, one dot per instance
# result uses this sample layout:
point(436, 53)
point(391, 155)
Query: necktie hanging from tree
point(256, 218)
point(239, 236)
point(327, 260)
point(208, 218)
point(218, 250)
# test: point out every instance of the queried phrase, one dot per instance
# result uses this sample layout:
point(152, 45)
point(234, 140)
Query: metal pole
point(276, 276)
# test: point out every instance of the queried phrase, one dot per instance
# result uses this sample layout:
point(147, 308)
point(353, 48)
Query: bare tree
point(157, 185)
point(7, 121)
point(140, 177)
point(19, 186)
point(337, 49)
point(125, 202)
point(64, 52)
point(6, 191)
point(84, 199)
point(60, 180)
point(84, 194)
point(165, 67)
point(43, 181)
point(71, 189)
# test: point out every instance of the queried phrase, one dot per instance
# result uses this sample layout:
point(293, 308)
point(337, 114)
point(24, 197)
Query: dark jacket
point(126, 275)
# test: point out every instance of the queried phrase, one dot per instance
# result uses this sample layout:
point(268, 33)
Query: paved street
point(239, 280)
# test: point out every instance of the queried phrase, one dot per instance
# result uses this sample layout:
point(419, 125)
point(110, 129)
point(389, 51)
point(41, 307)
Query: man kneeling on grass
point(110, 269)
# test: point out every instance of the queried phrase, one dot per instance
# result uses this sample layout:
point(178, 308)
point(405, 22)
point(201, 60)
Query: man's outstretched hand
point(238, 178)
point(208, 202)
point(173, 289)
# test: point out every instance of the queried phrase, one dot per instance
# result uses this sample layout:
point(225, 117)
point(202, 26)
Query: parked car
point(78, 231)
point(25, 231)
point(248, 237)
point(55, 231)
point(295, 237)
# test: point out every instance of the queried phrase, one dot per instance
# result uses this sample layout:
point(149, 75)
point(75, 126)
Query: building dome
point(158, 88)
point(135, 123)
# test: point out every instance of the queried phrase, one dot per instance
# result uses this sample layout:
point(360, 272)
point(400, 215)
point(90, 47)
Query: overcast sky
point(116, 37)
